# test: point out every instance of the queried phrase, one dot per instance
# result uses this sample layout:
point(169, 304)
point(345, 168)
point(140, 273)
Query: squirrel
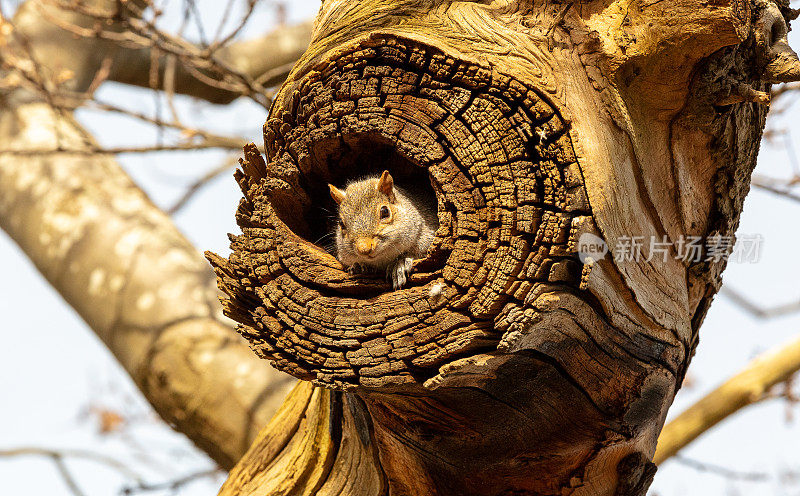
point(382, 227)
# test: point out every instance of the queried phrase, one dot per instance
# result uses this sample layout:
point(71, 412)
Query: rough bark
point(506, 366)
point(122, 264)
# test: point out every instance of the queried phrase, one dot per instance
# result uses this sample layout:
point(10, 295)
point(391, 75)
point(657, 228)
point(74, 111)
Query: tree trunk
point(510, 364)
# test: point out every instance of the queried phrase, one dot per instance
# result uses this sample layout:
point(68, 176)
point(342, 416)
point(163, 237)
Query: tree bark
point(121, 263)
point(507, 365)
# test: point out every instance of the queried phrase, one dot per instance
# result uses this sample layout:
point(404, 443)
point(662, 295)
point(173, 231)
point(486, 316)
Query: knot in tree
point(510, 363)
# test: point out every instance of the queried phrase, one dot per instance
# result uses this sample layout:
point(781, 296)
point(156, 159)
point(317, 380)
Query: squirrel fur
point(382, 227)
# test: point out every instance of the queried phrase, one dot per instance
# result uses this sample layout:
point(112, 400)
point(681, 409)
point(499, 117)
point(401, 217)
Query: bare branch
point(69, 480)
point(267, 60)
point(58, 455)
point(745, 388)
point(140, 485)
point(756, 310)
point(133, 31)
point(780, 188)
point(783, 90)
point(221, 42)
point(141, 286)
point(218, 73)
point(115, 257)
point(213, 143)
point(722, 471)
point(195, 187)
point(172, 485)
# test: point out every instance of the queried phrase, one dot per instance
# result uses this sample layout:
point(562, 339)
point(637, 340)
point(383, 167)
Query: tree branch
point(758, 311)
point(776, 187)
point(267, 59)
point(784, 89)
point(137, 282)
point(124, 267)
point(199, 184)
point(221, 143)
point(59, 454)
point(745, 388)
point(721, 471)
point(135, 52)
point(172, 485)
point(59, 457)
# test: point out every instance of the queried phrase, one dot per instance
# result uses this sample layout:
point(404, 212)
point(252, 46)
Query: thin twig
point(722, 471)
point(133, 31)
point(91, 150)
point(780, 190)
point(172, 485)
point(755, 309)
point(783, 90)
point(195, 187)
point(99, 458)
point(66, 475)
point(198, 21)
point(101, 75)
point(169, 86)
point(216, 45)
point(226, 14)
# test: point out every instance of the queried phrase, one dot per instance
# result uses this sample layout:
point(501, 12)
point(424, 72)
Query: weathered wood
point(506, 366)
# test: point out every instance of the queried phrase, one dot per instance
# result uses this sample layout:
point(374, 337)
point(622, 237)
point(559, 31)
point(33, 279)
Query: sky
point(53, 370)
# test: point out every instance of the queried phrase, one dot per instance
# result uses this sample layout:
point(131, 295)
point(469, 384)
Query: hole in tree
point(342, 160)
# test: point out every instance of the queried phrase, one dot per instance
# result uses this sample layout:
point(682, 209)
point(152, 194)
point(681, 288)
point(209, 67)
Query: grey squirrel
point(382, 227)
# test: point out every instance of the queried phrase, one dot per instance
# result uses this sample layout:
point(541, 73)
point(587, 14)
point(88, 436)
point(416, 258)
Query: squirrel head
point(370, 227)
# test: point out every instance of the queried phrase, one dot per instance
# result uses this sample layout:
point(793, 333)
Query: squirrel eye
point(341, 225)
point(384, 212)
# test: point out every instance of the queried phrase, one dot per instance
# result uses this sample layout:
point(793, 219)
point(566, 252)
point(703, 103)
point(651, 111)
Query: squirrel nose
point(364, 246)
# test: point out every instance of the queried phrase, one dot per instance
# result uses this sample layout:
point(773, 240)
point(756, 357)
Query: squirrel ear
point(337, 194)
point(386, 185)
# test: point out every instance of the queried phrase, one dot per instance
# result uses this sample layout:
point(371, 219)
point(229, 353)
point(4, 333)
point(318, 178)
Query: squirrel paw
point(398, 272)
point(356, 269)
